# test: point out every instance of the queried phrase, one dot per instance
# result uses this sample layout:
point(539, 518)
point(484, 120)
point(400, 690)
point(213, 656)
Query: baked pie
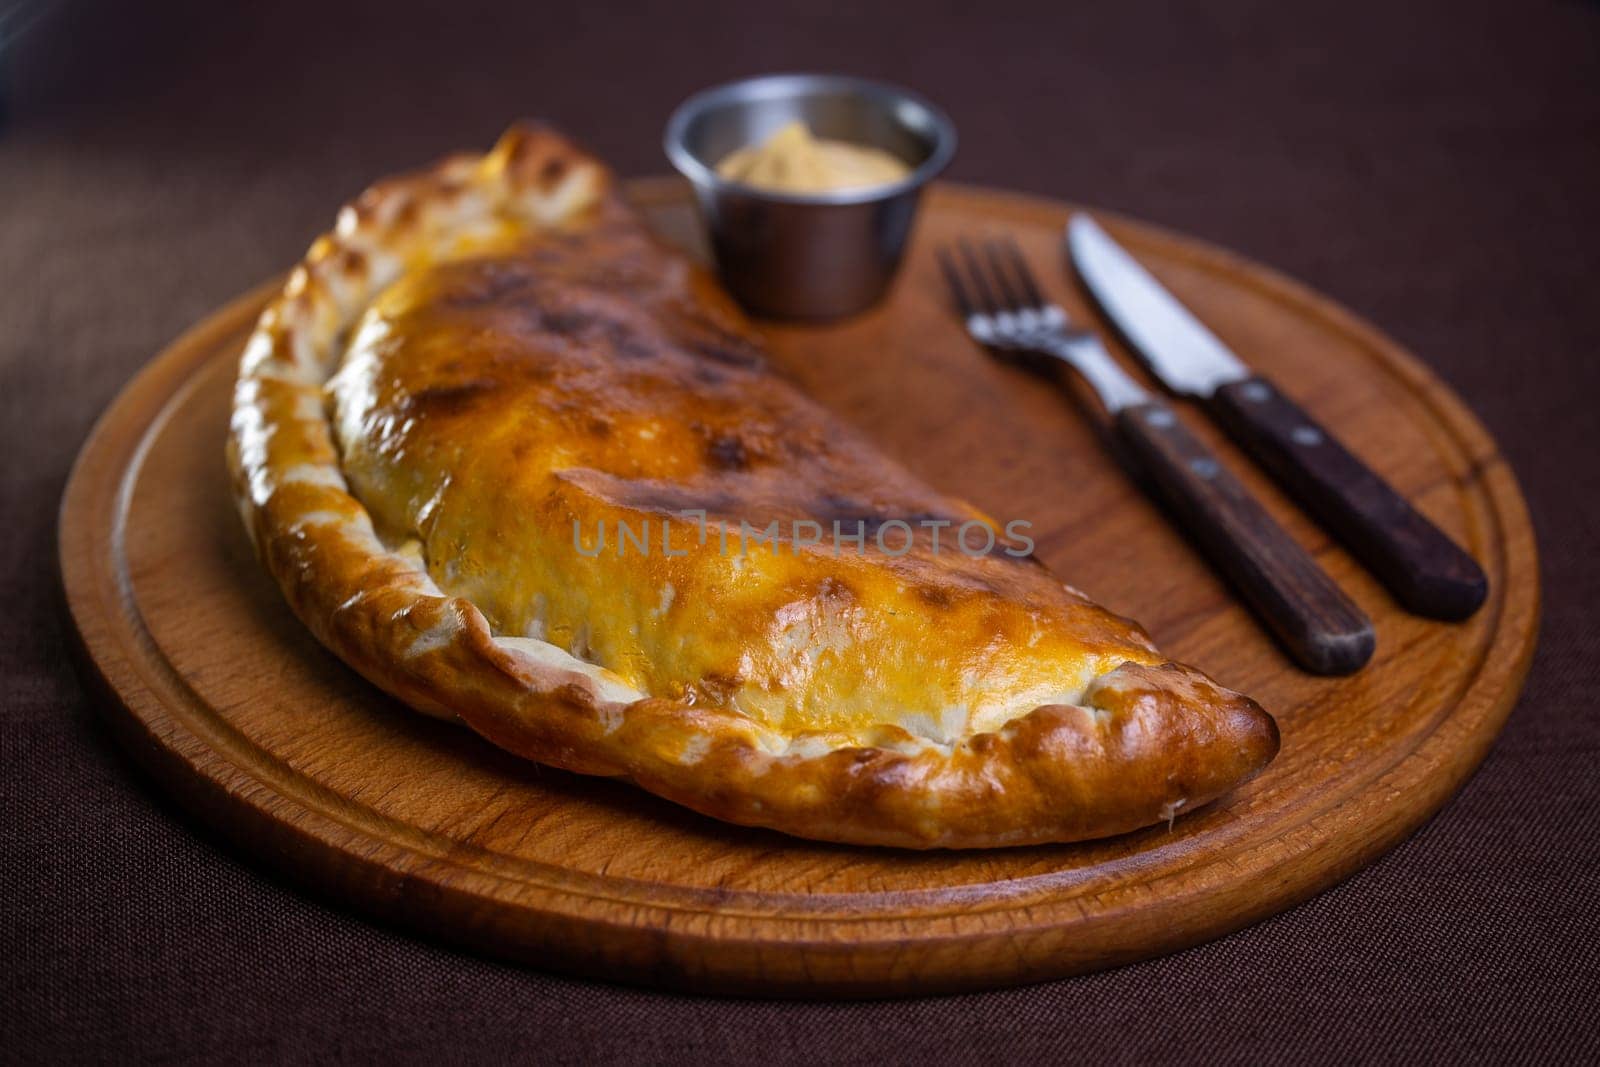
point(525, 468)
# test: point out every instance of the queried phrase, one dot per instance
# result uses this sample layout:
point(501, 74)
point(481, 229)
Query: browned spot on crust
point(483, 283)
point(707, 374)
point(983, 744)
point(727, 452)
point(566, 321)
point(705, 337)
point(736, 355)
point(450, 399)
point(553, 171)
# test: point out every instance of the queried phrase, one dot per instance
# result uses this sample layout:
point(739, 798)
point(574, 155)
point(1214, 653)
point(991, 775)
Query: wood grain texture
point(260, 732)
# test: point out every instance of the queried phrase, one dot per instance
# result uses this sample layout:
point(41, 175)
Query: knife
point(1311, 617)
point(1428, 573)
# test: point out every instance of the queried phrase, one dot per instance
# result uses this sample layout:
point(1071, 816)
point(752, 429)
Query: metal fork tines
point(1004, 309)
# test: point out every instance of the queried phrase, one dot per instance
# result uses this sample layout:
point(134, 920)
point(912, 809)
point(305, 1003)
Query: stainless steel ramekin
point(808, 256)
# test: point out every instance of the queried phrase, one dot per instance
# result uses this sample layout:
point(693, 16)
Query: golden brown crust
point(1139, 742)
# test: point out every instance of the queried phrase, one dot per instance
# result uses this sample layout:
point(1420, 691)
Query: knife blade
point(1428, 573)
point(1310, 616)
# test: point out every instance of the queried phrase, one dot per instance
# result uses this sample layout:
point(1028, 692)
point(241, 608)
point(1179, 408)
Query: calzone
point(525, 468)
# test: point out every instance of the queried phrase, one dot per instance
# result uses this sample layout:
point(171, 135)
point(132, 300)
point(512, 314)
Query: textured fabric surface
point(1434, 166)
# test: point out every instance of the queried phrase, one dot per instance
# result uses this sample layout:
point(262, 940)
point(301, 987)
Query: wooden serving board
point(259, 731)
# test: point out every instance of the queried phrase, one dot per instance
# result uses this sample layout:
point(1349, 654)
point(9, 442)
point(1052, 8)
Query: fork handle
point(1311, 617)
point(1426, 571)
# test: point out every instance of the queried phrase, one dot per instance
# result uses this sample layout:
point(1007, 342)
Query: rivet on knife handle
point(1309, 615)
point(1427, 572)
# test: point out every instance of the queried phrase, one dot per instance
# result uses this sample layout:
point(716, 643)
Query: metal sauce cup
point(816, 256)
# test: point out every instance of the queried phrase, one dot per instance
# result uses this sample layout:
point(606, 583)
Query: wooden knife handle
point(1309, 615)
point(1428, 573)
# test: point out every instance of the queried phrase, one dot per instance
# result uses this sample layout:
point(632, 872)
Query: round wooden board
point(259, 731)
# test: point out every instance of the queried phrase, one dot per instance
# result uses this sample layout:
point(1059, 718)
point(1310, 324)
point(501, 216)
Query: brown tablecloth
point(1436, 168)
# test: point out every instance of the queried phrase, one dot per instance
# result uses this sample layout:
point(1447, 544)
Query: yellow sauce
point(793, 161)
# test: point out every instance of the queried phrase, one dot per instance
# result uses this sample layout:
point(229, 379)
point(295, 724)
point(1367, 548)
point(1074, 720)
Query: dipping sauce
point(793, 161)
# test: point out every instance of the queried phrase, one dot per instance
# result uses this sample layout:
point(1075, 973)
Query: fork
point(1004, 310)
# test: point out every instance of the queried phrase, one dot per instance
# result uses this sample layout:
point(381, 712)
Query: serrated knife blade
point(1185, 355)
